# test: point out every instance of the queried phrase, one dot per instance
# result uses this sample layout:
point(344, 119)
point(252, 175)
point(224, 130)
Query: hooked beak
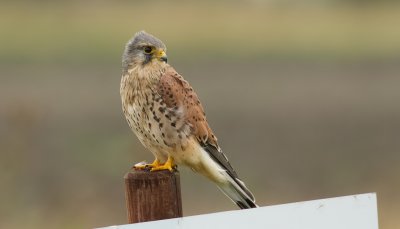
point(162, 56)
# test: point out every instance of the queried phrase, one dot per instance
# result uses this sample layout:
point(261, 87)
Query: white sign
point(348, 212)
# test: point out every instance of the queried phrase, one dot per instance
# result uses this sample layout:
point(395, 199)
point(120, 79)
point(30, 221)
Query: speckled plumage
point(166, 115)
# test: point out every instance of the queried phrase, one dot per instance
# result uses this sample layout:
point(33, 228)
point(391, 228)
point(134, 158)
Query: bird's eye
point(148, 49)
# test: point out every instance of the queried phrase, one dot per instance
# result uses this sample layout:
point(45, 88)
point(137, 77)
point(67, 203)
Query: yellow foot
point(168, 165)
point(142, 166)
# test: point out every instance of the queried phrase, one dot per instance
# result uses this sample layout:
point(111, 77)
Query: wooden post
point(152, 195)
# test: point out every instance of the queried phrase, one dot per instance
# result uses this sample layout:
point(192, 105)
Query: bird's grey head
point(142, 49)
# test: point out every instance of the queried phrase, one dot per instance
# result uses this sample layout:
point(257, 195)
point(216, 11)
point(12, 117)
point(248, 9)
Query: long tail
point(237, 191)
point(216, 163)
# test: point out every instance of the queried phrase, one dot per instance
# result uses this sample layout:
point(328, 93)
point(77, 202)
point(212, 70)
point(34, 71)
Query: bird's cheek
point(147, 59)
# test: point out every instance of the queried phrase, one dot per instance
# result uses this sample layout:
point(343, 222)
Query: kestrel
point(166, 115)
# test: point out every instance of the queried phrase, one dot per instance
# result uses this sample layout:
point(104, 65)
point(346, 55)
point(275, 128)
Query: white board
point(348, 212)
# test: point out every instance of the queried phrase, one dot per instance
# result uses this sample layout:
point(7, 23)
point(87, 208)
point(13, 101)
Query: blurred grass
point(317, 85)
point(94, 31)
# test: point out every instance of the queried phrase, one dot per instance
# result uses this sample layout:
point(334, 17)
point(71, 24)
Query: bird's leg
point(169, 164)
point(156, 163)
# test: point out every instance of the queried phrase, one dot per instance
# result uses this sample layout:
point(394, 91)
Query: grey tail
point(236, 190)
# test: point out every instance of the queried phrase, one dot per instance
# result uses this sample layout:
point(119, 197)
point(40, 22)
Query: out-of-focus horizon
point(303, 96)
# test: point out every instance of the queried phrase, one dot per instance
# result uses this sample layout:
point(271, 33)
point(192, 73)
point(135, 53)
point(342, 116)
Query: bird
point(166, 115)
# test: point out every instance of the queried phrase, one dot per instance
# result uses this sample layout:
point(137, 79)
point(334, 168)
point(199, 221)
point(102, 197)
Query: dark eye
point(148, 49)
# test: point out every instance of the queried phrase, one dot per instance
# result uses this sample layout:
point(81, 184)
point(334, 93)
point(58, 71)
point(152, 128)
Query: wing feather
point(179, 95)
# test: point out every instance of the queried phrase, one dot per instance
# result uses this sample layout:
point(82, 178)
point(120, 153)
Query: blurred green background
point(303, 96)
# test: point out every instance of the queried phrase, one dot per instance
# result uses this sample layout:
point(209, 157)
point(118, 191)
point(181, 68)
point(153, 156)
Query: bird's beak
point(161, 55)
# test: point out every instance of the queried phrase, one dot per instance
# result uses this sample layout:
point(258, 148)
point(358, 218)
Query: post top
point(146, 174)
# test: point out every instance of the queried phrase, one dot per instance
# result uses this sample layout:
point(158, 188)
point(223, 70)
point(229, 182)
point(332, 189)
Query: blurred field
point(55, 31)
point(303, 97)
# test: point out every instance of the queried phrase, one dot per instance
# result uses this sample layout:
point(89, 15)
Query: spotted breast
point(154, 113)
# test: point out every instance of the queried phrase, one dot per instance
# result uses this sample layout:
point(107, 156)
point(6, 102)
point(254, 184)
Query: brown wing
point(179, 95)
